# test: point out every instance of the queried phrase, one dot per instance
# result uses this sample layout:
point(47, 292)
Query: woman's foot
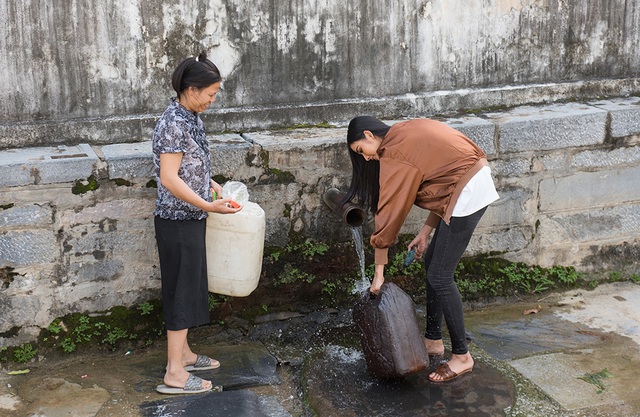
point(194, 385)
point(179, 380)
point(456, 366)
point(200, 363)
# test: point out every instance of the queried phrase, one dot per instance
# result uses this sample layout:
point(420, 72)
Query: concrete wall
point(83, 71)
point(567, 175)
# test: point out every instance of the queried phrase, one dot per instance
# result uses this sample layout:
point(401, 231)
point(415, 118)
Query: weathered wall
point(85, 81)
point(82, 71)
point(567, 175)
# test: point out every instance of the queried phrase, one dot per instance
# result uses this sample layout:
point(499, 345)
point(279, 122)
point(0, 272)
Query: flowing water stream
point(364, 283)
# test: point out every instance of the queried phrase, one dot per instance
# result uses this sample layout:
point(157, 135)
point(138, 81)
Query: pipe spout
point(351, 214)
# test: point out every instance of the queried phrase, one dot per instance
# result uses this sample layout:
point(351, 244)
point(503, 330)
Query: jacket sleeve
point(399, 183)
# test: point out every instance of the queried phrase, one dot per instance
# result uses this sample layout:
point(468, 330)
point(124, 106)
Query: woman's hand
point(223, 206)
point(217, 188)
point(378, 279)
point(420, 242)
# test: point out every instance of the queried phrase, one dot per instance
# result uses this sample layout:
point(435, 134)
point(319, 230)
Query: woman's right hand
point(223, 206)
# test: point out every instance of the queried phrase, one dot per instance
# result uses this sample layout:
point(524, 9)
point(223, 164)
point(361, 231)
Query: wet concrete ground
point(579, 355)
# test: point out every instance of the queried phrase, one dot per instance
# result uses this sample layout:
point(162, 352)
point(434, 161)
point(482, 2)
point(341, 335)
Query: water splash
point(364, 283)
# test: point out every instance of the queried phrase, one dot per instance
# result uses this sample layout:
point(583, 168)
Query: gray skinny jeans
point(443, 298)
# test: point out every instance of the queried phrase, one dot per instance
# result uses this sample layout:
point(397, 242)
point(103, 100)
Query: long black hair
point(365, 176)
point(198, 72)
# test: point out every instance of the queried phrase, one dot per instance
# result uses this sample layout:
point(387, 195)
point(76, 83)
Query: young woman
point(437, 168)
point(183, 172)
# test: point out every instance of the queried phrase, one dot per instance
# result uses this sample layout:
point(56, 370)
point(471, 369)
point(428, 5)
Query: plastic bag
point(391, 340)
point(236, 191)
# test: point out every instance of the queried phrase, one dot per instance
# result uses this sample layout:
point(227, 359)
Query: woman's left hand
point(217, 188)
point(420, 242)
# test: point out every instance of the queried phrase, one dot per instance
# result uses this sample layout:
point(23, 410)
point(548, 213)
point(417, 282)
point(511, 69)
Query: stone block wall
point(76, 230)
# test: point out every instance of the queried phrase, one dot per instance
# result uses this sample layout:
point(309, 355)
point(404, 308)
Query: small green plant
point(291, 274)
point(328, 287)
point(54, 328)
point(308, 248)
point(215, 300)
point(596, 379)
point(68, 345)
point(145, 308)
point(24, 353)
point(616, 276)
point(565, 275)
point(635, 278)
point(311, 249)
point(116, 334)
point(83, 332)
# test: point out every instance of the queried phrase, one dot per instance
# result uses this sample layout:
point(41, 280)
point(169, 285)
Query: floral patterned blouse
point(181, 131)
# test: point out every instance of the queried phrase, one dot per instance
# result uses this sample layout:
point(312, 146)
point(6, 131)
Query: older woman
point(183, 173)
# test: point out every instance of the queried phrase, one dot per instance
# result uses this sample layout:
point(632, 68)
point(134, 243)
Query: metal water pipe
point(352, 214)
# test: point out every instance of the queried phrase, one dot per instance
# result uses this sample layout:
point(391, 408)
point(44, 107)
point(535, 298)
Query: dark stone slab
point(215, 404)
point(525, 336)
point(242, 365)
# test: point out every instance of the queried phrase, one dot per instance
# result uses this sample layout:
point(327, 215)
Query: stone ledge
point(135, 160)
point(550, 127)
point(625, 115)
point(46, 165)
point(518, 131)
point(132, 128)
point(576, 192)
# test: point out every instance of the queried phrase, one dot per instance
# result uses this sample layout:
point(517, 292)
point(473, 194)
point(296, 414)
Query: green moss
point(6, 206)
point(280, 177)
point(151, 184)
point(122, 182)
point(7, 275)
point(119, 327)
point(84, 186)
point(323, 125)
point(220, 179)
point(259, 159)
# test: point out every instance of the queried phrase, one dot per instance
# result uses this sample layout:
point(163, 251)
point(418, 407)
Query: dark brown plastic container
point(391, 340)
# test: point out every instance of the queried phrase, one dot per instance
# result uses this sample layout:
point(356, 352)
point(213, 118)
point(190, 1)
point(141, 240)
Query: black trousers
point(443, 298)
point(183, 269)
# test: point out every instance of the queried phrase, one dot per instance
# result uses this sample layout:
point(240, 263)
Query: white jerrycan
point(235, 244)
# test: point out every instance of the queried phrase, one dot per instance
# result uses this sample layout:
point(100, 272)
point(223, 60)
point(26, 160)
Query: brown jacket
point(422, 162)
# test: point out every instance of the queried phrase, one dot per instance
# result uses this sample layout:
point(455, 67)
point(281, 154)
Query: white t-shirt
point(479, 192)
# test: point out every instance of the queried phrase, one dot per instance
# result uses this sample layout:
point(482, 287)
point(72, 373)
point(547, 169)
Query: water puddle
point(339, 385)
